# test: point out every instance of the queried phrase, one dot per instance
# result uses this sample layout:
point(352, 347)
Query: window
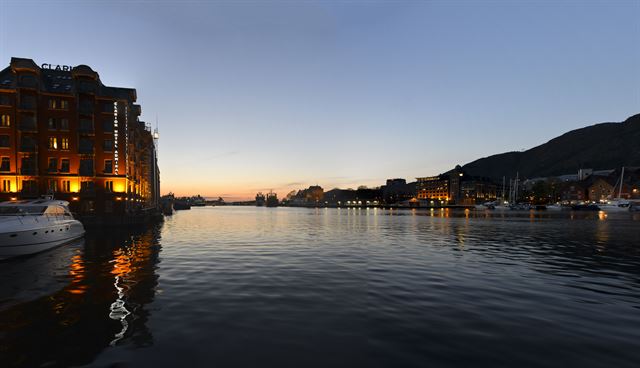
point(28, 144)
point(107, 107)
point(64, 165)
point(5, 100)
point(28, 81)
point(29, 186)
point(27, 102)
point(86, 126)
point(5, 165)
point(52, 124)
point(28, 166)
point(108, 145)
point(108, 185)
point(86, 107)
point(58, 104)
point(87, 185)
point(85, 146)
point(86, 167)
point(107, 126)
point(53, 143)
point(53, 164)
point(66, 186)
point(4, 141)
point(6, 185)
point(6, 121)
point(28, 122)
point(64, 143)
point(64, 124)
point(108, 166)
point(53, 186)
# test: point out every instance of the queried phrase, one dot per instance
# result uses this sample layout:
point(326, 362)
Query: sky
point(257, 95)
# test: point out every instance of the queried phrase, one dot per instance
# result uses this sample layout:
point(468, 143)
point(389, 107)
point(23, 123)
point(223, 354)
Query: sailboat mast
point(510, 192)
point(621, 181)
point(516, 187)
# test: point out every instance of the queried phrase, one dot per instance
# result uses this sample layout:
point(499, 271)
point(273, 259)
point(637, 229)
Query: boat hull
point(30, 241)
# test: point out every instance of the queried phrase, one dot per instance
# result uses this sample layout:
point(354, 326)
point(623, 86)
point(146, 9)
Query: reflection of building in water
point(73, 325)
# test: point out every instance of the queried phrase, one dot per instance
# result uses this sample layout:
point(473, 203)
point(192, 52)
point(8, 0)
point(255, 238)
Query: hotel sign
point(62, 68)
point(115, 136)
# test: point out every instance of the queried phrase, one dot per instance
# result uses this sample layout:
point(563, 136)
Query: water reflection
point(95, 297)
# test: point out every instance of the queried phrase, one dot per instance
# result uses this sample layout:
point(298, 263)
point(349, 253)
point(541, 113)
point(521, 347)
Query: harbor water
point(298, 287)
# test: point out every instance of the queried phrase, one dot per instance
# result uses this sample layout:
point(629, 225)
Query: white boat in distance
point(32, 226)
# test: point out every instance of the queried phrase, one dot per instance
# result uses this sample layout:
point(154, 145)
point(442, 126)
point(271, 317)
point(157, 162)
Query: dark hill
point(600, 146)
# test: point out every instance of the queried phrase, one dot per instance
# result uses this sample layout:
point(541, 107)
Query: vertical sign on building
point(126, 135)
point(115, 137)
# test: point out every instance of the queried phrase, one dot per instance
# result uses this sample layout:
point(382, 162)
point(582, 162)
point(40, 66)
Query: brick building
point(63, 132)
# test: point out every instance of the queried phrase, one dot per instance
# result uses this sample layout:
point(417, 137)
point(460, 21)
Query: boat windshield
point(22, 210)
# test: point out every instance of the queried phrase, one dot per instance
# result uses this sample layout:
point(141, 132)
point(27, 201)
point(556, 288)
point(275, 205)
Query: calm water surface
point(293, 287)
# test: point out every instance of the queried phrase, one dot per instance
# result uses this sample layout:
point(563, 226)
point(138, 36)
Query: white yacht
point(31, 226)
point(617, 205)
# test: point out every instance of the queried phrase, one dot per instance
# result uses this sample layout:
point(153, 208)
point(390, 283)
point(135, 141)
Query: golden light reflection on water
point(77, 273)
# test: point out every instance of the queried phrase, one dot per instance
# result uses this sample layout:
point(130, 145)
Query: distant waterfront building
point(63, 132)
point(397, 190)
point(601, 189)
point(433, 188)
point(455, 187)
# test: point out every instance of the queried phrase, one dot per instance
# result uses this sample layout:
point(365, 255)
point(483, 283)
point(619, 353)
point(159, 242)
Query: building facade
point(64, 133)
point(455, 187)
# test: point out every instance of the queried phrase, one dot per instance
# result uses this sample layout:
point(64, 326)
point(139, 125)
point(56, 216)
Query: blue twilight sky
point(255, 95)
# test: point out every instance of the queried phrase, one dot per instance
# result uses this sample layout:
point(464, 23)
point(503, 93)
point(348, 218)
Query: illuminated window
point(64, 124)
point(6, 121)
point(64, 165)
point(53, 164)
point(108, 166)
point(6, 185)
point(5, 165)
point(108, 185)
point(66, 186)
point(53, 143)
point(4, 141)
point(58, 104)
point(64, 143)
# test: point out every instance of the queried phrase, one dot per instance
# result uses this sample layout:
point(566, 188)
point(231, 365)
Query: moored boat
point(585, 207)
point(32, 226)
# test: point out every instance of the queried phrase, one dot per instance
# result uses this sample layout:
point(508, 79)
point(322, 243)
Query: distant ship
point(272, 199)
point(260, 199)
point(198, 201)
